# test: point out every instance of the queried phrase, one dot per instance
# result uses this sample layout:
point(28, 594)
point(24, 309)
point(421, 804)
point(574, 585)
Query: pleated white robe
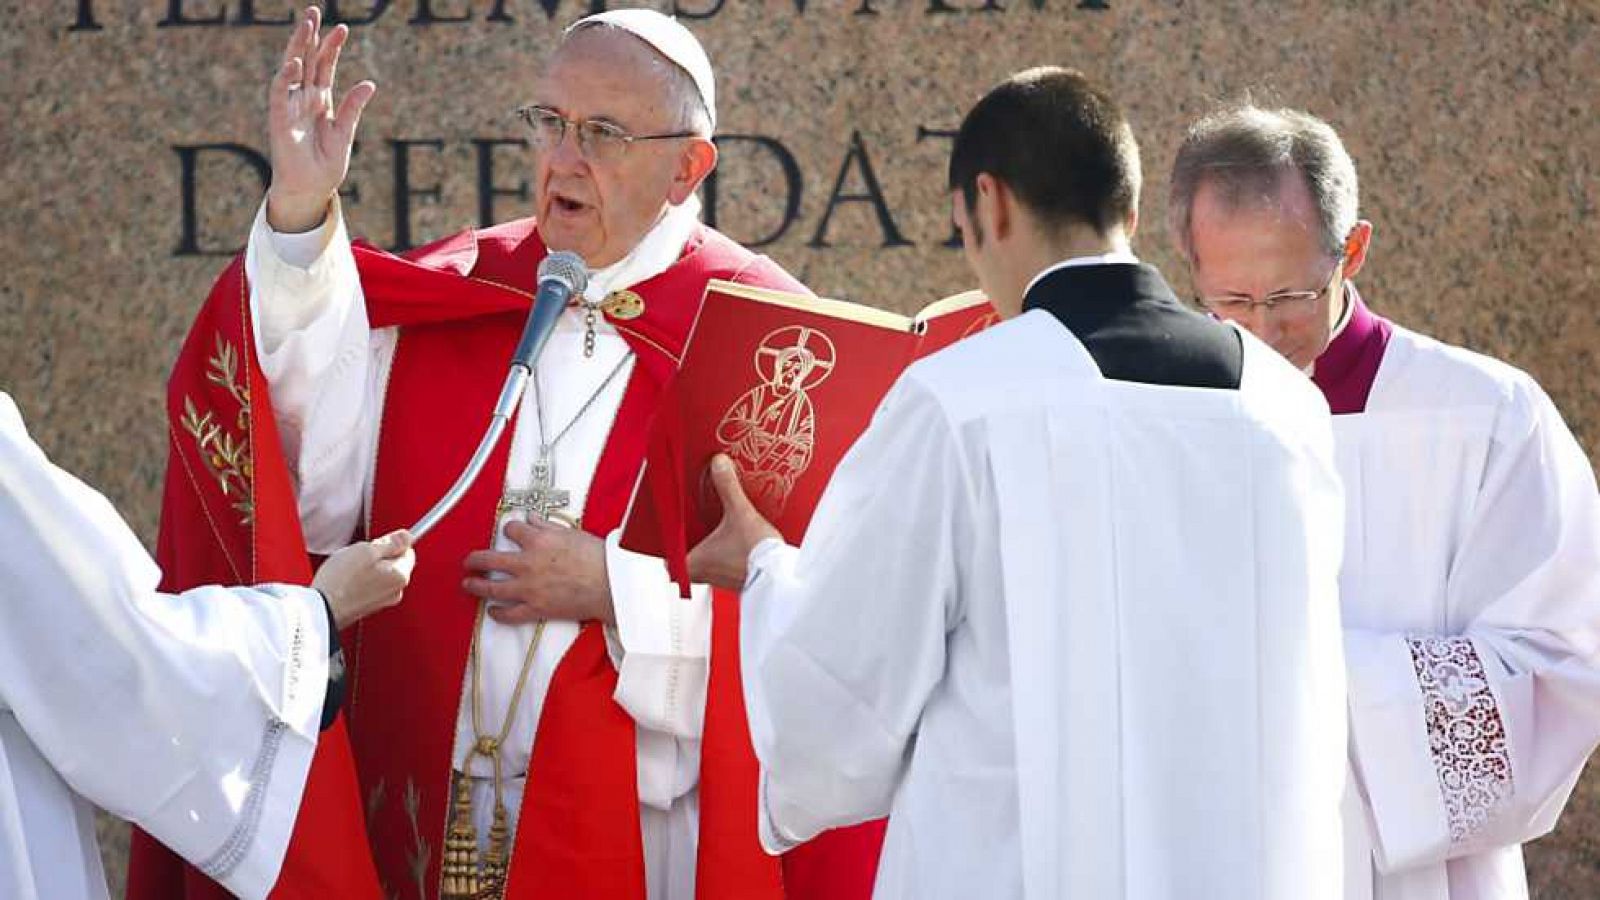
point(1078, 638)
point(194, 716)
point(1471, 596)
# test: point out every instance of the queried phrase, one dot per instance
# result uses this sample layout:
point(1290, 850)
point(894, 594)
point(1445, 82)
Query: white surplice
point(194, 716)
point(1078, 638)
point(1471, 593)
point(328, 372)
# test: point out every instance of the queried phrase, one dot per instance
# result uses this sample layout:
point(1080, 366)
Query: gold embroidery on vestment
point(224, 451)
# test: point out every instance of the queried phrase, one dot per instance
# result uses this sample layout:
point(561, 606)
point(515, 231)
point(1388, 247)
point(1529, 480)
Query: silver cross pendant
point(542, 498)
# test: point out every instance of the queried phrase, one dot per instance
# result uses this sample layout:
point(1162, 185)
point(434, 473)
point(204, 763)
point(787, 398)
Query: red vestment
point(229, 516)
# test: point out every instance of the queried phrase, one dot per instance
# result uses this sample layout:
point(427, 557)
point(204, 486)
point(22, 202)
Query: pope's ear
point(699, 157)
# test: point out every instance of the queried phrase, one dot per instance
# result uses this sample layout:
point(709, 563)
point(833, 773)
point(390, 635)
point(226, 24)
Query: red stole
point(460, 304)
point(1347, 368)
point(578, 834)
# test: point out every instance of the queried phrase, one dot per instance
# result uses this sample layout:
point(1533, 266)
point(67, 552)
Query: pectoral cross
point(542, 498)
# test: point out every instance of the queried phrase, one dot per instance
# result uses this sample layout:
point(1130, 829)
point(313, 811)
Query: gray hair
point(1244, 151)
point(683, 97)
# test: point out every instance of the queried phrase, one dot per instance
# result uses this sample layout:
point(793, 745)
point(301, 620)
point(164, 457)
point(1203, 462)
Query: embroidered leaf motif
point(376, 798)
point(421, 853)
point(223, 370)
point(226, 454)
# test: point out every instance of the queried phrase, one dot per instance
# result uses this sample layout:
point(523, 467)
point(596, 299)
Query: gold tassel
point(492, 886)
point(460, 875)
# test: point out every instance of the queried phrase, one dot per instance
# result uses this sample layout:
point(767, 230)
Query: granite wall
point(133, 138)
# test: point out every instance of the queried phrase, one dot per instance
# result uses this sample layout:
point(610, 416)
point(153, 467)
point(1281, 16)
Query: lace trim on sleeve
point(222, 863)
point(1465, 732)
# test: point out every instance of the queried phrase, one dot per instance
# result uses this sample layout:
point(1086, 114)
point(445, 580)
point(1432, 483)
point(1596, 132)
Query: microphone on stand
point(561, 275)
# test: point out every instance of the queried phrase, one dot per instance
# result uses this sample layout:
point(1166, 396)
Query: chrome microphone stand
point(561, 275)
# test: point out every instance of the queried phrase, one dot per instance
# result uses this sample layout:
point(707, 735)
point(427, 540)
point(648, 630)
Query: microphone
point(561, 275)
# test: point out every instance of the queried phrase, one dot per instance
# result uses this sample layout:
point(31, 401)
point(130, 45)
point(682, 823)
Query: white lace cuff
point(1466, 733)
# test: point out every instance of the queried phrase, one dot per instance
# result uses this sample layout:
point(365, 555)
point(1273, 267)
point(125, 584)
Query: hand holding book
point(782, 384)
point(721, 560)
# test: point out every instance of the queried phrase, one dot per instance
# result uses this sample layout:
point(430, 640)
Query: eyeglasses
point(1286, 304)
point(599, 141)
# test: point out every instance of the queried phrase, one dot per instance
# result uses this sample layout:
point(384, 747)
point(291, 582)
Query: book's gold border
point(950, 304)
point(835, 309)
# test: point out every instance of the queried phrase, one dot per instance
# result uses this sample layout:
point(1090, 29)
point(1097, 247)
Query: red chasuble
point(383, 772)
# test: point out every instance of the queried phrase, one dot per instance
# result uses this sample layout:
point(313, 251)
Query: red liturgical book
point(783, 384)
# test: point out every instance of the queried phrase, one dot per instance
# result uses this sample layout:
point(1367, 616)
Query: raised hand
point(308, 137)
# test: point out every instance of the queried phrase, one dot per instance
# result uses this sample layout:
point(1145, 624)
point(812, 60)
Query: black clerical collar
point(1114, 258)
point(1085, 293)
point(1136, 329)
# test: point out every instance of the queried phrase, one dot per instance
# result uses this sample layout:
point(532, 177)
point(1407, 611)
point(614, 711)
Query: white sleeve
point(1465, 742)
point(194, 716)
point(661, 648)
point(321, 361)
point(843, 639)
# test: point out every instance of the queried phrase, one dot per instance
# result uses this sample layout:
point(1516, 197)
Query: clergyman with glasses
point(1470, 587)
point(533, 723)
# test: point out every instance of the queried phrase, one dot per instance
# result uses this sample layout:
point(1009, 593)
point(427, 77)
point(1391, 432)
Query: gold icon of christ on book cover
point(822, 367)
point(770, 431)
